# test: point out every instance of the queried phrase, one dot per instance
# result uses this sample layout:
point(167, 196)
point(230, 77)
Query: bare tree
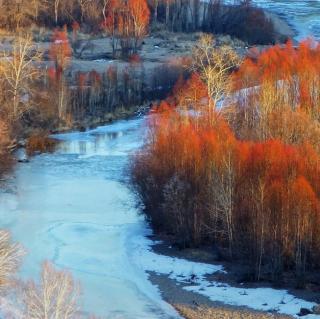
point(155, 8)
point(56, 296)
point(168, 2)
point(56, 10)
point(83, 6)
point(214, 64)
point(10, 257)
point(105, 4)
point(18, 69)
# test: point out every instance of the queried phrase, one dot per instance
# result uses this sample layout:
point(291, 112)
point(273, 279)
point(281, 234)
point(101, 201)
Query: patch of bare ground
point(238, 273)
point(192, 305)
point(222, 313)
point(197, 306)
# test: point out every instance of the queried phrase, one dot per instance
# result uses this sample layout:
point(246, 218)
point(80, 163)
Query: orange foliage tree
point(127, 22)
point(60, 53)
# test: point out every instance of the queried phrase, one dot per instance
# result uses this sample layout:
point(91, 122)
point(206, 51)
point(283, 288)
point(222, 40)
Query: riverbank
point(223, 313)
point(160, 48)
point(109, 118)
point(231, 296)
point(45, 141)
point(192, 305)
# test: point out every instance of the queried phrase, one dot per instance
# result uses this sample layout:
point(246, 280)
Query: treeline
point(244, 179)
point(82, 96)
point(128, 20)
point(277, 94)
point(36, 98)
point(97, 95)
point(91, 14)
point(18, 14)
point(242, 19)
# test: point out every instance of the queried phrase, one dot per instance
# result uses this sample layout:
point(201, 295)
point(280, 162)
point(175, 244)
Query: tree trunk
point(167, 12)
point(155, 14)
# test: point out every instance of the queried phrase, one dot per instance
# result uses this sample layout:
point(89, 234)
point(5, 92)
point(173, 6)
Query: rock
point(316, 310)
point(22, 143)
point(21, 155)
point(304, 312)
point(23, 160)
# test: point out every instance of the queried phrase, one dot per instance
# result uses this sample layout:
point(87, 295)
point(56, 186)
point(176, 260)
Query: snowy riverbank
point(197, 284)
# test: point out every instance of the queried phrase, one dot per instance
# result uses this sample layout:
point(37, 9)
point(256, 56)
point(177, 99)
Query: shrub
point(40, 143)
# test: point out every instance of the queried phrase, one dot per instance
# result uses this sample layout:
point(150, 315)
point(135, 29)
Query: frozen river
point(303, 15)
point(73, 208)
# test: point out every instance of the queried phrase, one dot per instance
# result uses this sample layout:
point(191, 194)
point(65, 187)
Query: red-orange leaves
point(60, 49)
point(140, 13)
point(260, 199)
point(290, 75)
point(128, 21)
point(194, 92)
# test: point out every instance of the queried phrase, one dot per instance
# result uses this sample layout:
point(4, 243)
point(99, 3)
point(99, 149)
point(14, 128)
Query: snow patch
point(194, 277)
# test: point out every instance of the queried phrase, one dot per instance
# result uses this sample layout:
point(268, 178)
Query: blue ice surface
point(302, 15)
point(73, 208)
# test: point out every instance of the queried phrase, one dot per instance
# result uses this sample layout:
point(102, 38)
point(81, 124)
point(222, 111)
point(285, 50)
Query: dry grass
point(223, 313)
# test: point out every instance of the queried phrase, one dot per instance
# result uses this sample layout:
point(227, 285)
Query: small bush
point(41, 144)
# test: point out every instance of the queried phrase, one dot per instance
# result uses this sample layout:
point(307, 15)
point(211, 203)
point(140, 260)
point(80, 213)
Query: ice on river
point(303, 15)
point(74, 208)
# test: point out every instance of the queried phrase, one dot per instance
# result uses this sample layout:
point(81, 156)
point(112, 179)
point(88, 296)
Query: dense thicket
point(277, 94)
point(96, 94)
point(241, 19)
point(246, 178)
